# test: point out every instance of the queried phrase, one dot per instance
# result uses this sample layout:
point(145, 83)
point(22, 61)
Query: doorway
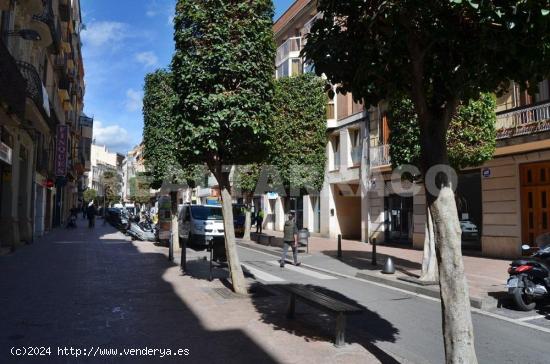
point(535, 200)
point(398, 212)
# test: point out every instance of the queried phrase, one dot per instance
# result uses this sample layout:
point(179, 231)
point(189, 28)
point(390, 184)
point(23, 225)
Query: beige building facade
point(43, 89)
point(501, 204)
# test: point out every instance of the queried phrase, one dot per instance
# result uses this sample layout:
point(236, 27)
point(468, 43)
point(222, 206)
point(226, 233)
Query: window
point(384, 129)
point(355, 137)
point(296, 66)
point(336, 152)
point(331, 105)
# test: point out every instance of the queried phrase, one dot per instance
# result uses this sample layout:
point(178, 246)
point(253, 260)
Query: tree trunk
point(247, 224)
point(458, 334)
point(237, 276)
point(430, 271)
point(175, 239)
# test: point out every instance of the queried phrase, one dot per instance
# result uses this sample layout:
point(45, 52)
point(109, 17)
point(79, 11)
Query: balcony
point(48, 26)
point(380, 156)
point(356, 154)
point(61, 63)
point(285, 50)
point(35, 88)
point(32, 7)
point(12, 84)
point(523, 121)
point(65, 12)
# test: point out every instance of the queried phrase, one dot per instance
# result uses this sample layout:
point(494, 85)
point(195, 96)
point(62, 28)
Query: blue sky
point(123, 41)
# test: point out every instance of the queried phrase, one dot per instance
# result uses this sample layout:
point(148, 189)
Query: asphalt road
point(409, 325)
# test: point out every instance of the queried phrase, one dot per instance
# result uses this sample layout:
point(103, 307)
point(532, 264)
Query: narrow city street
point(93, 290)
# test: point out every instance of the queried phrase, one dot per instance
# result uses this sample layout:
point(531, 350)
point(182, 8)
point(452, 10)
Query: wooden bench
point(322, 301)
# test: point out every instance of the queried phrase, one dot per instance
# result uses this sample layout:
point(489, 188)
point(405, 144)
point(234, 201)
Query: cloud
point(171, 20)
point(105, 33)
point(151, 13)
point(148, 59)
point(115, 137)
point(134, 100)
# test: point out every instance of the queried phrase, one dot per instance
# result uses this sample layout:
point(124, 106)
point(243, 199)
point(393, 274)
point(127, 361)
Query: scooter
point(530, 278)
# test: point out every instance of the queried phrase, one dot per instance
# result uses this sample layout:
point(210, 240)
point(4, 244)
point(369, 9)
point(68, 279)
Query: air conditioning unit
point(5, 153)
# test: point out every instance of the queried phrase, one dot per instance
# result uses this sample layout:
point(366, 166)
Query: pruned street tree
point(167, 168)
point(223, 78)
point(298, 133)
point(471, 141)
point(437, 53)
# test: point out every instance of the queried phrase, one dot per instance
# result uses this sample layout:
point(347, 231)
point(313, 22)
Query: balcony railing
point(309, 24)
point(293, 44)
point(380, 156)
point(523, 121)
point(356, 154)
point(12, 83)
point(35, 88)
point(48, 17)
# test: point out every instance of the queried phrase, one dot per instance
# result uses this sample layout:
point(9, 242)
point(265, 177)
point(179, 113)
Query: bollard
point(183, 259)
point(171, 250)
point(339, 246)
point(389, 268)
point(373, 242)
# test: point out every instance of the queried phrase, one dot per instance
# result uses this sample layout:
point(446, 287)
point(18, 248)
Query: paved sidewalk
point(486, 277)
point(95, 288)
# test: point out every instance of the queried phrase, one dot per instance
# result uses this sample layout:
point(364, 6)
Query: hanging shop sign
point(61, 149)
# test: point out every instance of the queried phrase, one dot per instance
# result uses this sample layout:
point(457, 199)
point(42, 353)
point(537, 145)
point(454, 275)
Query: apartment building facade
point(501, 204)
point(132, 165)
point(42, 95)
point(339, 207)
point(103, 160)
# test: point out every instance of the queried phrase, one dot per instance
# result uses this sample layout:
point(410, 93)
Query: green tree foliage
point(112, 185)
point(471, 139)
point(223, 74)
point(90, 195)
point(160, 134)
point(437, 53)
point(298, 132)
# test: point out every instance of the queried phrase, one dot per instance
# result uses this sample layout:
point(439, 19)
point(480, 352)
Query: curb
point(476, 302)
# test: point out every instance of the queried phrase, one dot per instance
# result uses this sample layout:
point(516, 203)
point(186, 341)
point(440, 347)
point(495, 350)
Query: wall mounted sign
point(486, 172)
point(61, 149)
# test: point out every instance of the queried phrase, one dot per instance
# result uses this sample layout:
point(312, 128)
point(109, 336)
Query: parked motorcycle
point(136, 231)
point(530, 278)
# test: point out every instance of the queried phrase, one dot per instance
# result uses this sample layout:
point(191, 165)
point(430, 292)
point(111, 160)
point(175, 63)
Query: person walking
point(91, 211)
point(290, 239)
point(259, 221)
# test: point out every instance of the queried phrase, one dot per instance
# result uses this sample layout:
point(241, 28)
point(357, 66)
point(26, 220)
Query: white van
point(196, 222)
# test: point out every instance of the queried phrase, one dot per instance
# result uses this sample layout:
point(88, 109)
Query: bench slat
point(323, 300)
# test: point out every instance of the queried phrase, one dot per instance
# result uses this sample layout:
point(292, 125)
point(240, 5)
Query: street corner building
point(45, 137)
point(501, 205)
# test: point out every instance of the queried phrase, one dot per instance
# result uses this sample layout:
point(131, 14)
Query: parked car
point(469, 230)
point(199, 223)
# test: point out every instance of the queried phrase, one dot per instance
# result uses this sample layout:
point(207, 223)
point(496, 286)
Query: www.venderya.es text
point(95, 351)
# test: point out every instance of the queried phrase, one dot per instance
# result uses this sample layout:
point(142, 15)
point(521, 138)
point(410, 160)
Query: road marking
point(476, 310)
point(266, 277)
point(529, 318)
point(307, 272)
